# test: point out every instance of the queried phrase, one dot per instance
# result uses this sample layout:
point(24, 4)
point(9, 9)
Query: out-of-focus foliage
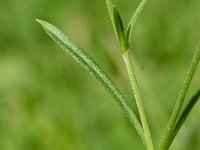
point(39, 106)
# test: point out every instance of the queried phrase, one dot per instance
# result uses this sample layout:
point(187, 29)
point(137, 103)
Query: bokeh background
point(47, 102)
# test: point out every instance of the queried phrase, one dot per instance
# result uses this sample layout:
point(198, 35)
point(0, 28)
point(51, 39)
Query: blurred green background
point(47, 102)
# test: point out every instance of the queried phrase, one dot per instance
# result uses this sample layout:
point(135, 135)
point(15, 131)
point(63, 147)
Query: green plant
point(124, 37)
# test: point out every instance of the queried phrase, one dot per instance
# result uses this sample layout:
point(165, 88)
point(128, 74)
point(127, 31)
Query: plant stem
point(180, 100)
point(183, 117)
point(127, 60)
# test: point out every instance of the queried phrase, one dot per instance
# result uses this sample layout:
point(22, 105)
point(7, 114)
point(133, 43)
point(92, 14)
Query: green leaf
point(117, 25)
point(183, 116)
point(120, 30)
point(90, 65)
point(133, 20)
point(180, 99)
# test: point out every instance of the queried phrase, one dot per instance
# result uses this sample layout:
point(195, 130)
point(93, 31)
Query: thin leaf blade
point(117, 25)
point(184, 116)
point(111, 7)
point(179, 102)
point(120, 30)
point(95, 71)
point(133, 20)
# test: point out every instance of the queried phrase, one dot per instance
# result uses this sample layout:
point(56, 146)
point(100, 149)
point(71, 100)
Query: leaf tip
point(40, 21)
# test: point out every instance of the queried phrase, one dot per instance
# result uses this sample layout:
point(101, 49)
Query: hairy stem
point(180, 100)
point(183, 117)
point(127, 60)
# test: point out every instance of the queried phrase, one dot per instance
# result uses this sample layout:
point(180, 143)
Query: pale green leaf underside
point(183, 117)
point(90, 65)
point(111, 7)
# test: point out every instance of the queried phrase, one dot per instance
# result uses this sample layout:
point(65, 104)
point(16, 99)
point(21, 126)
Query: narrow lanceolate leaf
point(90, 65)
point(183, 117)
point(133, 20)
point(120, 31)
point(180, 100)
point(117, 25)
